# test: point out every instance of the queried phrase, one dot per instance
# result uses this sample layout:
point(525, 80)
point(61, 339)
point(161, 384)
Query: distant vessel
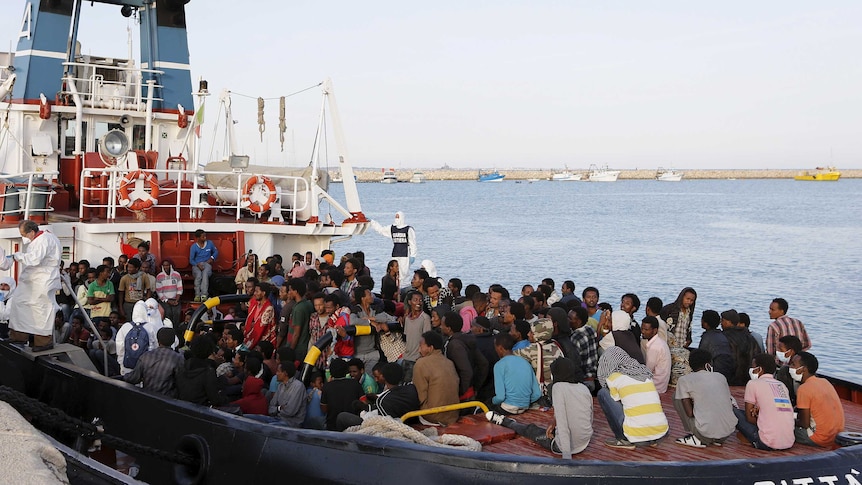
point(417, 178)
point(336, 178)
point(494, 176)
point(822, 174)
point(389, 176)
point(602, 174)
point(669, 175)
point(565, 176)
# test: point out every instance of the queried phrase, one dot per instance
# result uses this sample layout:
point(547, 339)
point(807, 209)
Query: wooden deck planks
point(667, 449)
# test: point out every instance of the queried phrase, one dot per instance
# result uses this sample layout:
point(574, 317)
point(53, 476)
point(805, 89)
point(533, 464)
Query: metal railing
point(27, 193)
point(295, 194)
point(125, 93)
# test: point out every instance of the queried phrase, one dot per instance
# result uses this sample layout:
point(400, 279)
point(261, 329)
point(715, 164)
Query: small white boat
point(603, 174)
point(566, 176)
point(417, 178)
point(389, 176)
point(669, 175)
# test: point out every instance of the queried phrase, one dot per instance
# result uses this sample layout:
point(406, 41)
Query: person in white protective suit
point(140, 314)
point(31, 308)
point(7, 286)
point(403, 245)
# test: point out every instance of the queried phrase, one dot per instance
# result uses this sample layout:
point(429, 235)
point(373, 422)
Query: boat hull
point(241, 450)
point(826, 177)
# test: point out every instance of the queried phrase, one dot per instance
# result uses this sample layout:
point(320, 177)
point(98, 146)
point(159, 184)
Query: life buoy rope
point(143, 201)
point(251, 188)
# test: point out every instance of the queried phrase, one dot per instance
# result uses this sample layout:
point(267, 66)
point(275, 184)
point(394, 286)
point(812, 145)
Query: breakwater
point(404, 175)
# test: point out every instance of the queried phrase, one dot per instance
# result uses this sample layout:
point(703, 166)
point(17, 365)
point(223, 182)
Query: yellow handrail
point(450, 407)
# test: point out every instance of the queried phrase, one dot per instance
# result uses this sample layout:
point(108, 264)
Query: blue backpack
point(137, 342)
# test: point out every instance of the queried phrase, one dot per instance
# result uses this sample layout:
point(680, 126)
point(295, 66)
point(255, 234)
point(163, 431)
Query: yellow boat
point(828, 174)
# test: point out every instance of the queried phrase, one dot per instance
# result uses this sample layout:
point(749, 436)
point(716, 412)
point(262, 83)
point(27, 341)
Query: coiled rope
point(386, 427)
point(261, 122)
point(57, 419)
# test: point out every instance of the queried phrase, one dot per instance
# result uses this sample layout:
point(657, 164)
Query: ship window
point(69, 138)
point(139, 133)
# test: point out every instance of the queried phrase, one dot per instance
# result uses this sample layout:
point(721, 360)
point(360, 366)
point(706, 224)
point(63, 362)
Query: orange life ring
point(255, 206)
point(141, 203)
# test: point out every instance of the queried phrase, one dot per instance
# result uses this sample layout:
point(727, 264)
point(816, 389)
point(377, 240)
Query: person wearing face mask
point(7, 284)
point(767, 421)
point(788, 347)
point(820, 414)
point(704, 404)
point(33, 305)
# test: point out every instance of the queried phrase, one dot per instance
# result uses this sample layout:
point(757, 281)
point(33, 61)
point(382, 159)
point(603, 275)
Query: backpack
point(136, 343)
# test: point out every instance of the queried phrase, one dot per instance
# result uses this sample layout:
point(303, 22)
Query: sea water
point(739, 243)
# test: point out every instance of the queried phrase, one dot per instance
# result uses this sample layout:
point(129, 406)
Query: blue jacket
point(198, 255)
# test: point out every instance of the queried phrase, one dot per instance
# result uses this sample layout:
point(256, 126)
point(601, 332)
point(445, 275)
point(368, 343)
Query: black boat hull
point(244, 451)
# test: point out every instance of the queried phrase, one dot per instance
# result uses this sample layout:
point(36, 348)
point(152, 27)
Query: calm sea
point(739, 243)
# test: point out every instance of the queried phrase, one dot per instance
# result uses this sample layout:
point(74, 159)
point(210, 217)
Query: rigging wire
point(277, 97)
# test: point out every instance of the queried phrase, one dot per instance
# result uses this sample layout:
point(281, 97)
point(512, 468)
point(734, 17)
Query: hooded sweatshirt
point(253, 401)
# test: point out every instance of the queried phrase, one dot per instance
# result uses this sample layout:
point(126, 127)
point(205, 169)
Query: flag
point(199, 120)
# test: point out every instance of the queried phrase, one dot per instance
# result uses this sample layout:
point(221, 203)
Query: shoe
point(716, 443)
point(198, 299)
point(620, 444)
point(690, 440)
point(19, 343)
point(42, 348)
point(495, 418)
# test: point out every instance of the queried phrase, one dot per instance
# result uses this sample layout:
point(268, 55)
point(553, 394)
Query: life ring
point(254, 205)
point(142, 202)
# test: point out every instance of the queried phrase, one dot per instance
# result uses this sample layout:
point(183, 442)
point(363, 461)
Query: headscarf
point(620, 320)
point(615, 359)
point(430, 267)
point(139, 312)
point(399, 220)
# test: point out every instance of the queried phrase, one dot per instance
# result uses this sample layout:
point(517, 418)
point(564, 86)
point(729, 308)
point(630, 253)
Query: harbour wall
point(404, 175)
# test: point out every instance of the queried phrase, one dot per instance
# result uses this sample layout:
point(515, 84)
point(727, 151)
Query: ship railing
point(26, 194)
point(103, 184)
point(127, 92)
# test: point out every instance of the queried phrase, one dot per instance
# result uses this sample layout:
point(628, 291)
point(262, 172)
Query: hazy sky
point(766, 84)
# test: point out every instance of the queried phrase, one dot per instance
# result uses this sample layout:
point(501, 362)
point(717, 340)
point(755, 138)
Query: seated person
point(196, 379)
point(630, 401)
point(315, 418)
point(252, 401)
point(515, 383)
point(357, 371)
point(573, 413)
point(767, 422)
point(435, 379)
point(820, 414)
point(715, 342)
point(788, 347)
point(339, 393)
point(395, 400)
point(704, 403)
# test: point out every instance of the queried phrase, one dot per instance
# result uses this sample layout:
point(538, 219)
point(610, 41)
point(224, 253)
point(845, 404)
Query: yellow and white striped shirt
point(644, 417)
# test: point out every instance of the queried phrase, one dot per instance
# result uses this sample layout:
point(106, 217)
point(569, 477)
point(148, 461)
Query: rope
point(282, 124)
point(261, 122)
point(57, 419)
point(386, 427)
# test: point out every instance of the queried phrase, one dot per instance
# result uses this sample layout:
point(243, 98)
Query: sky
point(541, 84)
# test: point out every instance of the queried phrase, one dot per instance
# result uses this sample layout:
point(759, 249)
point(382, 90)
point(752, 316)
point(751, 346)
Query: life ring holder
point(197, 447)
point(253, 205)
point(141, 203)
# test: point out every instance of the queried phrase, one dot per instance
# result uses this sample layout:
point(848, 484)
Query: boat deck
point(667, 451)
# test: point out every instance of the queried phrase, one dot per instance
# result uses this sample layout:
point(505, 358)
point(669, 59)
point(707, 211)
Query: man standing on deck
point(169, 286)
point(404, 245)
point(33, 304)
point(783, 325)
point(299, 335)
point(202, 255)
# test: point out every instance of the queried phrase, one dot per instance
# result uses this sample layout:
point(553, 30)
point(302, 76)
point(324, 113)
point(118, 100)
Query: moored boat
point(668, 175)
point(565, 176)
point(418, 177)
point(821, 174)
point(603, 174)
point(493, 176)
point(388, 176)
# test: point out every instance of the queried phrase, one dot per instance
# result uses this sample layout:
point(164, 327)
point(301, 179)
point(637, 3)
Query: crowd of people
point(429, 344)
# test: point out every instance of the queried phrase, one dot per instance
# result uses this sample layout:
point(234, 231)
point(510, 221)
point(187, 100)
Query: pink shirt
point(658, 361)
point(775, 422)
point(468, 313)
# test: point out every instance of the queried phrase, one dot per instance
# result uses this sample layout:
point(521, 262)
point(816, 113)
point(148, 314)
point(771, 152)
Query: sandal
point(690, 440)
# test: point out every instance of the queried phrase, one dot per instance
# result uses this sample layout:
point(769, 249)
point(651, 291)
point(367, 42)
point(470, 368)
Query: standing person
point(416, 323)
point(202, 255)
point(100, 293)
point(169, 287)
point(704, 405)
point(573, 414)
point(678, 317)
point(246, 272)
point(134, 287)
point(767, 421)
point(260, 323)
point(783, 325)
point(390, 285)
point(33, 304)
point(146, 256)
point(299, 337)
point(403, 245)
point(629, 400)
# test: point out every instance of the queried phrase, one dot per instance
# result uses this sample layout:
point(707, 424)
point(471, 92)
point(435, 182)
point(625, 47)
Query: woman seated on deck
point(573, 413)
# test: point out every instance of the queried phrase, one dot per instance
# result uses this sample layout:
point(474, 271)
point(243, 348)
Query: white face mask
point(25, 239)
point(782, 356)
point(753, 374)
point(795, 376)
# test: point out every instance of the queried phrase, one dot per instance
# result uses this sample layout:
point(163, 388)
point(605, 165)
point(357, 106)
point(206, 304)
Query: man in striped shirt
point(169, 287)
point(783, 325)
